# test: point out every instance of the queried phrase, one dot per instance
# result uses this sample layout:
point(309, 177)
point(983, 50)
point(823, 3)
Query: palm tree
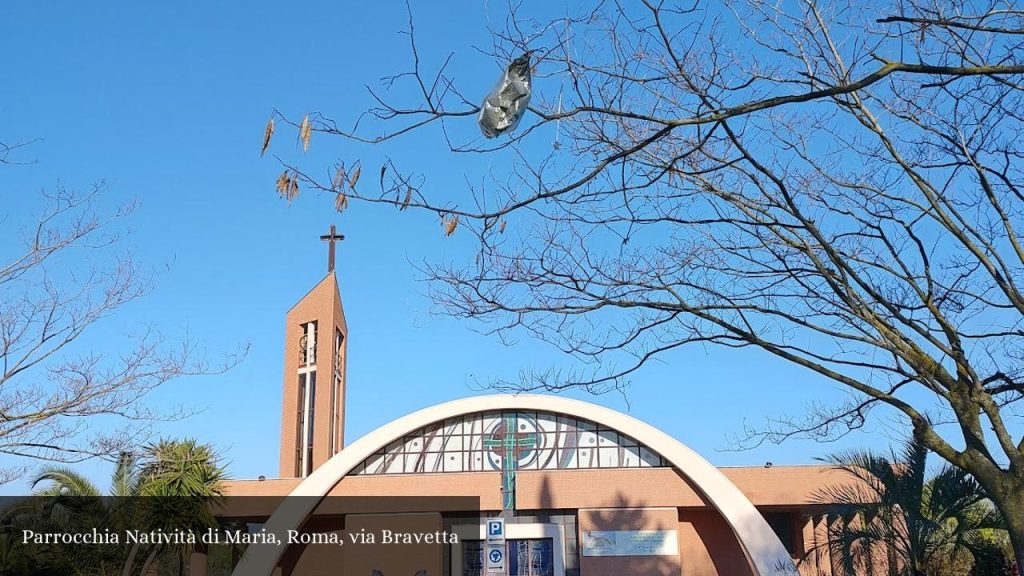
point(172, 485)
point(897, 517)
point(183, 483)
point(65, 501)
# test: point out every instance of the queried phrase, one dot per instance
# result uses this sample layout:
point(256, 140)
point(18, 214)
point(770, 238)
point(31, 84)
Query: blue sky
point(166, 102)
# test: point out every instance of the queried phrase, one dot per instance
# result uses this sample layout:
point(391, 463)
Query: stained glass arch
point(514, 439)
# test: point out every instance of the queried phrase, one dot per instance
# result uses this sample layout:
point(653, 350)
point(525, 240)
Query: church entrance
point(525, 557)
point(531, 549)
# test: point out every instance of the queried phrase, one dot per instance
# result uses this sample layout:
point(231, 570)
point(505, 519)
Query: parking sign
point(496, 530)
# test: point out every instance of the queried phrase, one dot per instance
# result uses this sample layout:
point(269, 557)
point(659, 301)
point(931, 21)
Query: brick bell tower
point(313, 406)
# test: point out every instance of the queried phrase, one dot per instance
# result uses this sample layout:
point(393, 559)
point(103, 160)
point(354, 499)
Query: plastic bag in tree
point(504, 107)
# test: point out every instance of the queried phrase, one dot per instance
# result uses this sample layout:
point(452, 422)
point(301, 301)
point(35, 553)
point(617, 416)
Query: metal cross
point(507, 442)
point(331, 238)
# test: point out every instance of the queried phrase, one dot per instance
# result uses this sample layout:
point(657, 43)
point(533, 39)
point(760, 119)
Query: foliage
point(182, 483)
point(920, 525)
point(997, 561)
point(172, 485)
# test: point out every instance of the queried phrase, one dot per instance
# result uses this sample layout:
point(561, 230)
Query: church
point(515, 485)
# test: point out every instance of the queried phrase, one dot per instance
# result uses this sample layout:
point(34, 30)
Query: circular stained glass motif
point(514, 441)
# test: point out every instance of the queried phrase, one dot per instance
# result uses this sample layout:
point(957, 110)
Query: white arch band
point(766, 554)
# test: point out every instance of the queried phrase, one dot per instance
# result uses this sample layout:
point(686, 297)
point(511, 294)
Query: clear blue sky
point(167, 103)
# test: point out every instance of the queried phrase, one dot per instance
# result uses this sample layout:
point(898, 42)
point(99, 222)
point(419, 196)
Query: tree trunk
point(149, 560)
point(1016, 527)
point(1009, 499)
point(130, 562)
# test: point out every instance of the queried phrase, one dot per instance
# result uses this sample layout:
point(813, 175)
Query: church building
point(549, 486)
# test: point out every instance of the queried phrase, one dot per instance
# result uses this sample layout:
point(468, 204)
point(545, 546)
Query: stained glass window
point(520, 440)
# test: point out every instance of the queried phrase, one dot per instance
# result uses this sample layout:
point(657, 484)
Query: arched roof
point(766, 554)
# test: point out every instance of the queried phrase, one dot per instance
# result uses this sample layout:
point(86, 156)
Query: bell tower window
point(337, 393)
point(307, 344)
point(306, 400)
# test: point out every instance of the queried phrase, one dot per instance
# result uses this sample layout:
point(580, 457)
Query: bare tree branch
point(59, 402)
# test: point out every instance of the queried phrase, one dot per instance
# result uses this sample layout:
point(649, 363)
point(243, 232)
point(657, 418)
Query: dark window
point(336, 394)
point(300, 417)
point(304, 424)
point(472, 558)
point(784, 526)
point(309, 423)
point(530, 557)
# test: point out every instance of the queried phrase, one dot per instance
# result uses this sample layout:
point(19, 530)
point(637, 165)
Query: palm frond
point(893, 506)
point(63, 482)
point(125, 481)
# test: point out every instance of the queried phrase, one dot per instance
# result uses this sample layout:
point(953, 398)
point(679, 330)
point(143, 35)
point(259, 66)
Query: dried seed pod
point(267, 133)
point(450, 225)
point(283, 183)
point(339, 178)
point(355, 177)
point(305, 133)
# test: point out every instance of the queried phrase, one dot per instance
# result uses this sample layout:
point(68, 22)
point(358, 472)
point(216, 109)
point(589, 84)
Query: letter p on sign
point(496, 530)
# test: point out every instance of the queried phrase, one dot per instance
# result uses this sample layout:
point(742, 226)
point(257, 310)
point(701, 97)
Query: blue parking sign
point(496, 530)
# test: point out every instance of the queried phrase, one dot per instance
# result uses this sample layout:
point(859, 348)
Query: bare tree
point(837, 184)
point(60, 401)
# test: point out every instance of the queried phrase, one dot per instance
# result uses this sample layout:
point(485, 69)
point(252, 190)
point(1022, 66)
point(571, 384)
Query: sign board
point(630, 543)
point(494, 558)
point(496, 530)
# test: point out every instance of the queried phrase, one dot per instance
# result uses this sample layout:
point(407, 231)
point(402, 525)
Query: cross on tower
point(331, 238)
